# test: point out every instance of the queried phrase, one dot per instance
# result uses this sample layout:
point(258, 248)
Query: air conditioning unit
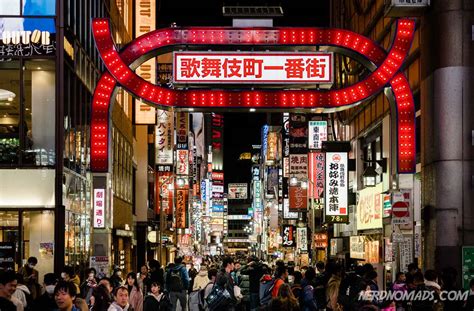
point(405, 8)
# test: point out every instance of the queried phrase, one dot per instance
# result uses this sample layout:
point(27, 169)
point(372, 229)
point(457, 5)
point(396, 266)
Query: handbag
point(219, 298)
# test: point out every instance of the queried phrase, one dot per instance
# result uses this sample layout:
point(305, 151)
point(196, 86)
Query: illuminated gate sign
point(386, 69)
point(207, 67)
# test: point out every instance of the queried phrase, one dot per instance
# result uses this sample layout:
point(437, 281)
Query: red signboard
point(261, 67)
point(320, 240)
point(164, 192)
point(298, 199)
point(181, 208)
point(400, 209)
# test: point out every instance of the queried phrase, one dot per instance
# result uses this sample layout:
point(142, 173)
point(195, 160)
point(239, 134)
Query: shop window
point(9, 113)
point(39, 107)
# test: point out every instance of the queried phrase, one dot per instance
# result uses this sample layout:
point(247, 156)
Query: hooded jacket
point(201, 280)
point(183, 274)
point(115, 307)
point(20, 293)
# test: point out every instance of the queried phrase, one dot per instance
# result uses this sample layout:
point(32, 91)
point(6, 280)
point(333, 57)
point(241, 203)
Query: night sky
point(241, 130)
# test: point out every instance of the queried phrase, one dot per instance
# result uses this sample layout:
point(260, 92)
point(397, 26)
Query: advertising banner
point(182, 129)
point(298, 199)
point(372, 251)
point(100, 264)
point(217, 140)
point(357, 247)
point(336, 190)
point(286, 135)
point(317, 134)
point(145, 21)
point(253, 67)
point(320, 240)
point(99, 208)
point(298, 134)
point(288, 236)
point(237, 191)
point(164, 192)
point(316, 174)
point(164, 137)
point(257, 195)
point(182, 162)
point(181, 208)
point(299, 166)
point(369, 208)
point(302, 238)
point(406, 252)
point(272, 147)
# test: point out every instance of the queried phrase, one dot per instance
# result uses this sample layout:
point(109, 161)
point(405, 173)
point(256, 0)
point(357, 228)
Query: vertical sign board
point(181, 208)
point(99, 208)
point(7, 255)
point(182, 162)
point(182, 129)
point(272, 147)
point(217, 140)
point(288, 236)
point(369, 208)
point(299, 166)
point(286, 210)
point(302, 238)
point(272, 181)
point(164, 137)
point(145, 22)
point(317, 134)
point(298, 199)
point(298, 134)
point(336, 190)
point(164, 194)
point(357, 247)
point(467, 266)
point(406, 252)
point(316, 174)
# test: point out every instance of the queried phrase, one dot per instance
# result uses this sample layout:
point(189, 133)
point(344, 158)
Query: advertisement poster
point(286, 210)
point(47, 250)
point(99, 208)
point(369, 208)
point(406, 252)
point(272, 181)
point(336, 190)
point(100, 264)
point(182, 162)
point(317, 134)
point(288, 236)
point(302, 238)
point(320, 240)
point(182, 129)
point(298, 134)
point(237, 191)
point(164, 192)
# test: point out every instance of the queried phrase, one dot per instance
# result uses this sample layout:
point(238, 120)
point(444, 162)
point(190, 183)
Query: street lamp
point(369, 176)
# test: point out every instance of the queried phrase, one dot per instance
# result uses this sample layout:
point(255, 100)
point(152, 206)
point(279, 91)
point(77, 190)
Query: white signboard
point(258, 67)
point(299, 166)
point(336, 190)
point(318, 133)
point(164, 137)
point(237, 191)
point(99, 208)
point(406, 253)
point(302, 238)
point(357, 247)
point(370, 208)
point(286, 210)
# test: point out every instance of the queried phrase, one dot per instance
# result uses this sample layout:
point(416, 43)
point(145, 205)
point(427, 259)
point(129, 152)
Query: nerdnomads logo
point(423, 295)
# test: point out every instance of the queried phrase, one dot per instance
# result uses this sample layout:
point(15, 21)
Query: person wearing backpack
point(280, 276)
point(177, 283)
point(225, 280)
point(350, 288)
point(307, 296)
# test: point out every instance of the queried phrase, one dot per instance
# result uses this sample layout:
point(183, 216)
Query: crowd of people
point(226, 283)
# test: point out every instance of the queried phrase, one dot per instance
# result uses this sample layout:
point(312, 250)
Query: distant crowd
point(229, 284)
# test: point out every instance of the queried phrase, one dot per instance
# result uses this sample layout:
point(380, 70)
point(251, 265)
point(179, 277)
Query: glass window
point(9, 7)
point(39, 125)
point(39, 7)
point(9, 112)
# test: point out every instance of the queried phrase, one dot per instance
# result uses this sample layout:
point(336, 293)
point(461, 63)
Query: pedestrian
point(156, 272)
point(116, 278)
point(308, 298)
point(332, 291)
point(177, 283)
point(156, 300)
point(449, 281)
point(100, 299)
point(469, 303)
point(201, 279)
point(225, 280)
point(89, 284)
point(30, 277)
point(280, 277)
point(285, 300)
point(107, 283)
point(192, 272)
point(65, 295)
point(399, 288)
point(8, 284)
point(22, 293)
point(69, 275)
point(320, 268)
point(135, 296)
point(254, 269)
point(144, 280)
point(296, 286)
point(120, 302)
point(46, 301)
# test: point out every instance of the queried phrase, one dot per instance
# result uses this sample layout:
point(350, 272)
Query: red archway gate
point(119, 65)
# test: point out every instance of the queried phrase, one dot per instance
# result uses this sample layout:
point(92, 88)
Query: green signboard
point(467, 265)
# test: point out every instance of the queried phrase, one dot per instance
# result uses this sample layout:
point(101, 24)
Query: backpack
point(219, 298)
point(175, 281)
point(265, 293)
point(308, 298)
point(349, 291)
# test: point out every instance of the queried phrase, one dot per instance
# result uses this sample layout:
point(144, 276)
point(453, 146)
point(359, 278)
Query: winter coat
point(135, 299)
point(115, 307)
point(20, 293)
point(201, 280)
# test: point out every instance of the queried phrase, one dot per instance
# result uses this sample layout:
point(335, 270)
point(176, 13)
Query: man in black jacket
point(254, 269)
point(224, 279)
point(46, 301)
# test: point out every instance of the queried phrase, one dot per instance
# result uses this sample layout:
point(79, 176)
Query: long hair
point(133, 276)
point(285, 293)
point(102, 298)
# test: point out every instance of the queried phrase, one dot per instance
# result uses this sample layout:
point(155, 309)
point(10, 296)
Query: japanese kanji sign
point(99, 208)
point(208, 67)
point(286, 210)
point(181, 208)
point(317, 134)
point(164, 137)
point(182, 128)
point(316, 174)
point(288, 236)
point(298, 199)
point(369, 208)
point(182, 162)
point(335, 198)
point(302, 238)
point(299, 166)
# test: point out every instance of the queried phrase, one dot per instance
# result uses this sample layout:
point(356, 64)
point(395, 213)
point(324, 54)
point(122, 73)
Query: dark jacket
point(255, 273)
point(183, 274)
point(157, 276)
point(151, 304)
point(225, 280)
point(44, 303)
point(6, 305)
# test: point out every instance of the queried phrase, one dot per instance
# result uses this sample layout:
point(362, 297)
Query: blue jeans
point(254, 301)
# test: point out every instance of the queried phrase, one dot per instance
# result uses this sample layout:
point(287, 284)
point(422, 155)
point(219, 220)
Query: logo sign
point(275, 68)
point(299, 166)
point(217, 176)
point(286, 134)
point(317, 133)
point(316, 174)
point(182, 163)
point(369, 208)
point(387, 205)
point(99, 208)
point(298, 199)
point(164, 194)
point(357, 247)
point(181, 208)
point(182, 128)
point(320, 240)
point(237, 191)
point(336, 190)
point(302, 238)
point(7, 254)
point(164, 137)
point(288, 236)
